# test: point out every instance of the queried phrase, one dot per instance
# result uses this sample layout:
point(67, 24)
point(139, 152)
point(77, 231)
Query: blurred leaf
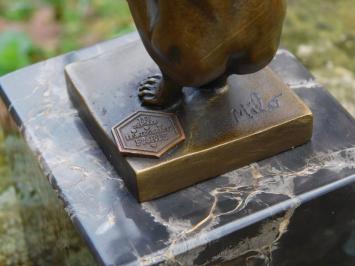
point(59, 7)
point(15, 49)
point(19, 11)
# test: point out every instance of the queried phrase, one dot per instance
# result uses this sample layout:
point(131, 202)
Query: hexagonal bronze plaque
point(148, 133)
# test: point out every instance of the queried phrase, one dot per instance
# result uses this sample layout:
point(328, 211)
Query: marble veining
point(178, 229)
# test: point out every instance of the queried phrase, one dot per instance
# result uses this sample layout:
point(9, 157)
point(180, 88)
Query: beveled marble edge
point(256, 217)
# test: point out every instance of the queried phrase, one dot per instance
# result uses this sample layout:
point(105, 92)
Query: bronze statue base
point(251, 118)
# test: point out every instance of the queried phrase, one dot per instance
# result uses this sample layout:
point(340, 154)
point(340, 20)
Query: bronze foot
point(158, 90)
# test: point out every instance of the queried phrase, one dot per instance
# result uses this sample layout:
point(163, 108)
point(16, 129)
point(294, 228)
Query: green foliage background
point(320, 32)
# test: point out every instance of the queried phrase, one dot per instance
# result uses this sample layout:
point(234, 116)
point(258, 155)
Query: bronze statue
point(197, 43)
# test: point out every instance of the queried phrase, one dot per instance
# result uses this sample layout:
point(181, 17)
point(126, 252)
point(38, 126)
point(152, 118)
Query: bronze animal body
point(199, 42)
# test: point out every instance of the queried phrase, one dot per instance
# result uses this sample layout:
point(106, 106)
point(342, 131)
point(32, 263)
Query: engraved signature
point(255, 106)
point(147, 131)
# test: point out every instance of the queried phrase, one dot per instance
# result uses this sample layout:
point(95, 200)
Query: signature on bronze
point(148, 133)
point(254, 106)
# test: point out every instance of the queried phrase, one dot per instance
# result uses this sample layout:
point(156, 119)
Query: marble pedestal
point(296, 208)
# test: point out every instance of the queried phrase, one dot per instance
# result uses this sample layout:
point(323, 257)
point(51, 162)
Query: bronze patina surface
point(148, 133)
point(196, 43)
point(250, 118)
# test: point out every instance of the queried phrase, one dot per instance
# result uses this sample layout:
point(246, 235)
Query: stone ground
point(34, 228)
point(319, 32)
